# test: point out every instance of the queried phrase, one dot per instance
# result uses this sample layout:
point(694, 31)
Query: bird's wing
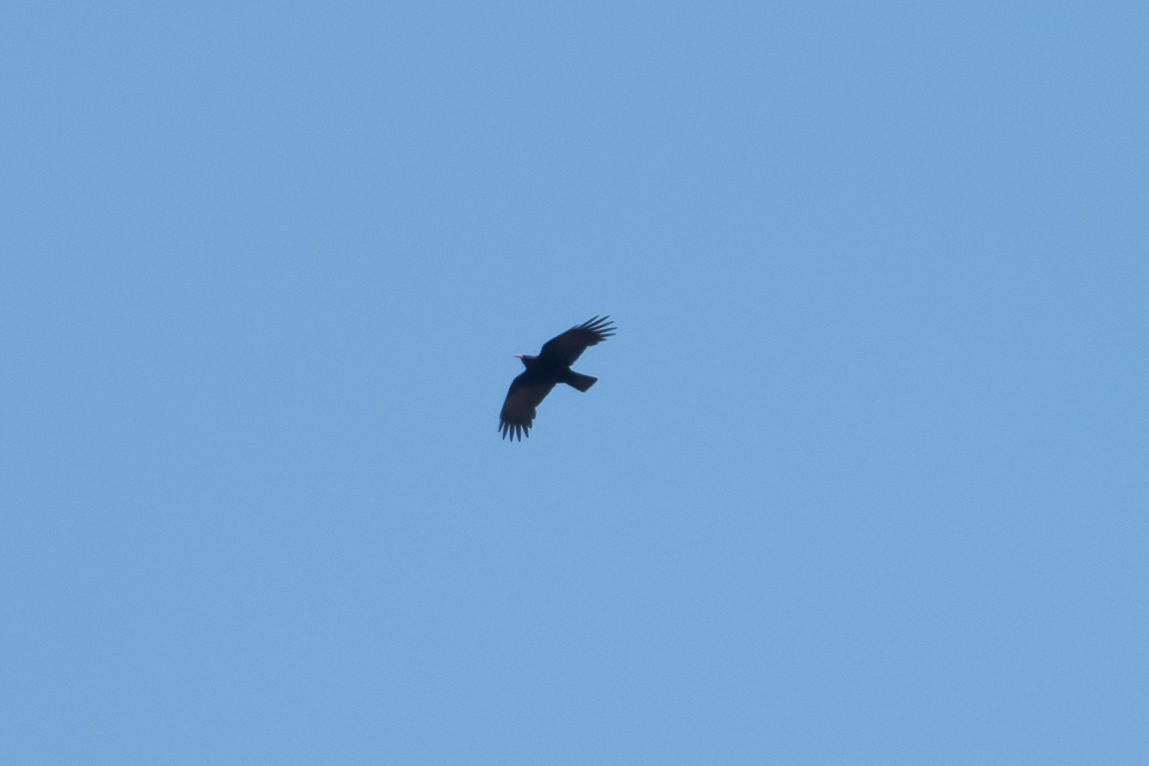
point(519, 409)
point(566, 348)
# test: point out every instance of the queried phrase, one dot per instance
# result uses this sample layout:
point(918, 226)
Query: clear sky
point(864, 478)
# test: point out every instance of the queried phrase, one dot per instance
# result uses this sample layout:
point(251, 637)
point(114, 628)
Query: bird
point(551, 367)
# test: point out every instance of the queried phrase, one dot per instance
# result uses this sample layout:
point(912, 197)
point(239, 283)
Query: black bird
point(551, 366)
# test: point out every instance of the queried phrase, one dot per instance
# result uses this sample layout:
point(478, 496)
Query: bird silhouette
point(551, 367)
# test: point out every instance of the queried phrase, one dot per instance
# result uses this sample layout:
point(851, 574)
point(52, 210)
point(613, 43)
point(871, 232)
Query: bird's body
point(551, 367)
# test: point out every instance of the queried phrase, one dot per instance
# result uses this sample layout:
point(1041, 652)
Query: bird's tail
point(580, 381)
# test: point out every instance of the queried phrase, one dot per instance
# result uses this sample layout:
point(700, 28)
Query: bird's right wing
point(521, 405)
point(564, 349)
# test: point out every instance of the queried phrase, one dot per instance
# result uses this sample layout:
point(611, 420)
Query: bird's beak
point(518, 356)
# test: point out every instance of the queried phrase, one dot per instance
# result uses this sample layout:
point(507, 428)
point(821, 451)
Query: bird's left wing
point(521, 405)
point(566, 348)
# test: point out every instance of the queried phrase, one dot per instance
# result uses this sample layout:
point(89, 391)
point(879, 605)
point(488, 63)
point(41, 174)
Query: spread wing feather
point(521, 405)
point(564, 349)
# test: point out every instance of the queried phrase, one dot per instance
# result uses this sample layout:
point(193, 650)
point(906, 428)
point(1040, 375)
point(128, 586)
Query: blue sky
point(863, 480)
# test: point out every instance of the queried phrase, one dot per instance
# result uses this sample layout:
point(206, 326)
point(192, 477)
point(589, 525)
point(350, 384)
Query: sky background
point(864, 479)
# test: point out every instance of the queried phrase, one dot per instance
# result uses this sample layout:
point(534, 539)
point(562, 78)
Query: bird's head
point(526, 359)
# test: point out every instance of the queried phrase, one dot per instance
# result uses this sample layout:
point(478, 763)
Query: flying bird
point(550, 367)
